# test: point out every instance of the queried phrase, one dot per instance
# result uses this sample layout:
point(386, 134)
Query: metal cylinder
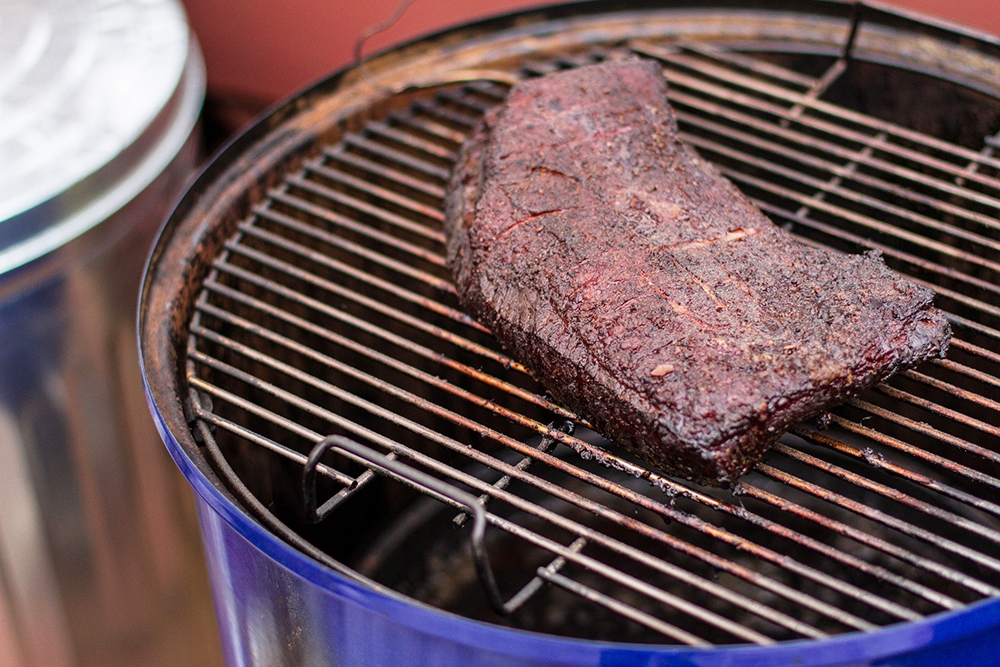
point(99, 558)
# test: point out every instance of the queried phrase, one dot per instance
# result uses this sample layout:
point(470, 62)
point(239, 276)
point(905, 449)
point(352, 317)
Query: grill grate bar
point(390, 154)
point(337, 176)
point(344, 244)
point(545, 446)
point(897, 496)
point(916, 452)
point(641, 556)
point(875, 542)
point(962, 369)
point(361, 324)
point(620, 577)
point(925, 429)
point(437, 130)
point(465, 100)
point(270, 445)
point(347, 223)
point(760, 67)
point(836, 132)
point(386, 131)
point(888, 251)
point(931, 406)
point(954, 319)
point(880, 516)
point(987, 151)
point(958, 392)
point(766, 553)
point(342, 156)
point(636, 615)
point(842, 213)
point(532, 587)
point(358, 205)
point(881, 573)
point(844, 117)
point(871, 458)
point(437, 110)
point(846, 172)
point(369, 353)
point(973, 326)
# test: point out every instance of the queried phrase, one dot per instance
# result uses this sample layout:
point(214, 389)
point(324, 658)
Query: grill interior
point(330, 311)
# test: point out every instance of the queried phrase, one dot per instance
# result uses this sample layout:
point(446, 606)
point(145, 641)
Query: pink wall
point(266, 49)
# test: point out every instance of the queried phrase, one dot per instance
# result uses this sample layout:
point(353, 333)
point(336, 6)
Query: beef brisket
point(647, 293)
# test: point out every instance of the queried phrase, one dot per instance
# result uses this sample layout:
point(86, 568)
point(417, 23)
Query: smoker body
point(299, 291)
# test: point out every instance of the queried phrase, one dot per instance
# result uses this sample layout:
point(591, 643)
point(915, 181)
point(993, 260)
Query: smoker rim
point(278, 135)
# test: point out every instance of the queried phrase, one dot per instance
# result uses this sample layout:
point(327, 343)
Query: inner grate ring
point(330, 311)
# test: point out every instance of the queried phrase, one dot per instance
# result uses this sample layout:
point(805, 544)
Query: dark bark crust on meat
point(647, 293)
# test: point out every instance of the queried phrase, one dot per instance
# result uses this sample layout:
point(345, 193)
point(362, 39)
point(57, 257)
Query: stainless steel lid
point(96, 98)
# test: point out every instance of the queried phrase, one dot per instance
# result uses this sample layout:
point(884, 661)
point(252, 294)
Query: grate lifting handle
point(431, 486)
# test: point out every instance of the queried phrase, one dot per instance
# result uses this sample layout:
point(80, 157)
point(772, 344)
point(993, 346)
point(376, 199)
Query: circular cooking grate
point(329, 311)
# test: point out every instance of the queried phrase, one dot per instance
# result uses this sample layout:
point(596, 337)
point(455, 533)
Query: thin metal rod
point(871, 458)
point(430, 127)
point(535, 583)
point(962, 369)
point(931, 406)
point(766, 142)
point(546, 445)
point(925, 429)
point(907, 448)
point(437, 109)
point(404, 318)
point(364, 144)
point(341, 157)
point(346, 269)
point(403, 223)
point(808, 199)
point(784, 561)
point(434, 464)
point(874, 542)
point(906, 500)
point(879, 516)
point(385, 131)
point(272, 446)
point(861, 242)
point(614, 605)
point(952, 390)
point(360, 185)
point(369, 353)
point(845, 116)
point(838, 132)
point(748, 63)
point(402, 268)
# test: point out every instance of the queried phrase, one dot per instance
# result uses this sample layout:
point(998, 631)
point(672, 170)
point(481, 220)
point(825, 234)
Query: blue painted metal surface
point(277, 607)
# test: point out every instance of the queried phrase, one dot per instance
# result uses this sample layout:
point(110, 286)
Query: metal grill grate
point(330, 311)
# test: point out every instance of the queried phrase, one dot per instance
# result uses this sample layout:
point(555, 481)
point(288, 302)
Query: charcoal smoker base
point(299, 291)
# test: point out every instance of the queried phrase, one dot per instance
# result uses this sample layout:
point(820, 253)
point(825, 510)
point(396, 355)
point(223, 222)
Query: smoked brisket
point(647, 293)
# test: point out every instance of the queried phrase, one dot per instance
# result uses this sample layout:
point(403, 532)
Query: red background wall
point(261, 50)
